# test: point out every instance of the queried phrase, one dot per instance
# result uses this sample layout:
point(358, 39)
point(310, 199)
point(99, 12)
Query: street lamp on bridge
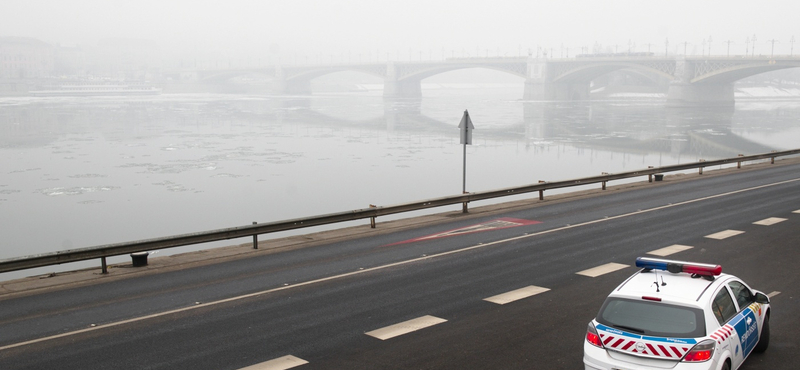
point(709, 45)
point(746, 46)
point(729, 46)
point(754, 44)
point(791, 48)
point(772, 52)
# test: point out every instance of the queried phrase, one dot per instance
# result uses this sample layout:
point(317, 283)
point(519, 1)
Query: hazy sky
point(323, 27)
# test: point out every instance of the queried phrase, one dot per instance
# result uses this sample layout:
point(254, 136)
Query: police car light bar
point(701, 269)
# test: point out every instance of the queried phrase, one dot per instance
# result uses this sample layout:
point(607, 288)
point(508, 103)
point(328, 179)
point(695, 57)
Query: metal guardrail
point(108, 250)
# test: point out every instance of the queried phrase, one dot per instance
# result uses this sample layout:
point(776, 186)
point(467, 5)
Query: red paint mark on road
point(500, 223)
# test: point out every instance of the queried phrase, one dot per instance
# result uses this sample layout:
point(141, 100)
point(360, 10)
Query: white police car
point(677, 315)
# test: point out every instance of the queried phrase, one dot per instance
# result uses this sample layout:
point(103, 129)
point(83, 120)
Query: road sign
point(466, 129)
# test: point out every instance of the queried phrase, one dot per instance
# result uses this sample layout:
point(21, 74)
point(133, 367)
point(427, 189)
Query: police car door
point(746, 322)
point(727, 336)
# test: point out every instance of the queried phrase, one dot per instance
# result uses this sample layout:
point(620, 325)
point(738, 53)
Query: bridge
point(693, 81)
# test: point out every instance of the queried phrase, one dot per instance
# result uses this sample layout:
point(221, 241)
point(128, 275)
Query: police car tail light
point(701, 269)
point(703, 351)
point(592, 337)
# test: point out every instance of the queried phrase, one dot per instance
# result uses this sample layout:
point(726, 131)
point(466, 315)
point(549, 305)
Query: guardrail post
point(464, 206)
point(255, 238)
point(773, 158)
point(650, 175)
point(604, 183)
point(541, 192)
point(739, 163)
point(104, 265)
point(372, 219)
point(701, 167)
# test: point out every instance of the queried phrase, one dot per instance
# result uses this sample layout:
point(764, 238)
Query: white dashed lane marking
point(724, 234)
point(769, 221)
point(281, 363)
point(516, 295)
point(773, 294)
point(797, 211)
point(602, 270)
point(672, 249)
point(405, 327)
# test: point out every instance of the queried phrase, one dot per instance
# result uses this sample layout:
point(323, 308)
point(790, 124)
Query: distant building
point(25, 57)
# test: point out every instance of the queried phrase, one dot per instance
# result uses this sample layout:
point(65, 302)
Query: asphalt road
point(334, 306)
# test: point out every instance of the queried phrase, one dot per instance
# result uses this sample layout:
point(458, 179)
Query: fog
point(369, 30)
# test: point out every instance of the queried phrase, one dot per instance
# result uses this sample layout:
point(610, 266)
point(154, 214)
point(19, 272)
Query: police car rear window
point(652, 318)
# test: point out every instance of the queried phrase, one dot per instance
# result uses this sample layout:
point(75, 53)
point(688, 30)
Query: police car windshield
point(652, 318)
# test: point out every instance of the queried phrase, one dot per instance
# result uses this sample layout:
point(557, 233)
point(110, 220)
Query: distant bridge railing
point(109, 250)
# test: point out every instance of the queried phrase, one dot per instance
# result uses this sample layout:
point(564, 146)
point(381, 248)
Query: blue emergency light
point(675, 267)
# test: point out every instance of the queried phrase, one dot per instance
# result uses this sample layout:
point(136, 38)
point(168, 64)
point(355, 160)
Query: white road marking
point(405, 327)
point(797, 211)
point(281, 363)
point(769, 221)
point(672, 249)
point(602, 270)
point(516, 295)
point(773, 294)
point(724, 234)
point(390, 265)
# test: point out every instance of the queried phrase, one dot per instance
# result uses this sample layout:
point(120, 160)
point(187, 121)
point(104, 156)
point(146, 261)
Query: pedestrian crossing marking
point(724, 234)
point(769, 221)
point(672, 249)
point(516, 295)
point(602, 270)
point(281, 363)
point(405, 327)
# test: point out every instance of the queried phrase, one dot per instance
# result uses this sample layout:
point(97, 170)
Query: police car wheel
point(763, 342)
point(726, 366)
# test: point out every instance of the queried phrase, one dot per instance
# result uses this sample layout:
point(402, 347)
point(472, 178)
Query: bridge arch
point(589, 72)
point(405, 80)
point(729, 72)
point(422, 74)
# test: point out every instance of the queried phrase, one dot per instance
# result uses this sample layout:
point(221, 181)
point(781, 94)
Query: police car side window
point(723, 306)
point(743, 296)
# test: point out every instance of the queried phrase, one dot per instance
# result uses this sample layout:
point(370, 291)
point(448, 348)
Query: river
point(80, 172)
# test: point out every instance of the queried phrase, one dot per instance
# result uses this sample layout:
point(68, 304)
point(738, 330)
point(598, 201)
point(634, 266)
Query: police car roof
point(680, 288)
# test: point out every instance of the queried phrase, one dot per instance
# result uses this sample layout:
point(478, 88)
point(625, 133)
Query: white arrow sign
point(466, 129)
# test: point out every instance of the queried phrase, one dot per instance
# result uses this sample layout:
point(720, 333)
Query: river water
point(80, 172)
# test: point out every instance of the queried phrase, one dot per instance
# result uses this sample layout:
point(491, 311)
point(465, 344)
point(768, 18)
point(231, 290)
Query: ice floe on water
point(87, 176)
point(78, 190)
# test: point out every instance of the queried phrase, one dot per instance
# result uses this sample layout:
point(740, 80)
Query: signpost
point(466, 128)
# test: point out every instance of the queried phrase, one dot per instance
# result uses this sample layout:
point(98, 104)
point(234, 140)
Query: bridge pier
point(685, 91)
point(564, 91)
point(682, 94)
point(292, 87)
point(402, 89)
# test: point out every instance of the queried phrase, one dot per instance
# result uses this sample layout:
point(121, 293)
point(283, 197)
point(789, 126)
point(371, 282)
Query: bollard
point(255, 238)
point(139, 258)
point(739, 163)
point(372, 219)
